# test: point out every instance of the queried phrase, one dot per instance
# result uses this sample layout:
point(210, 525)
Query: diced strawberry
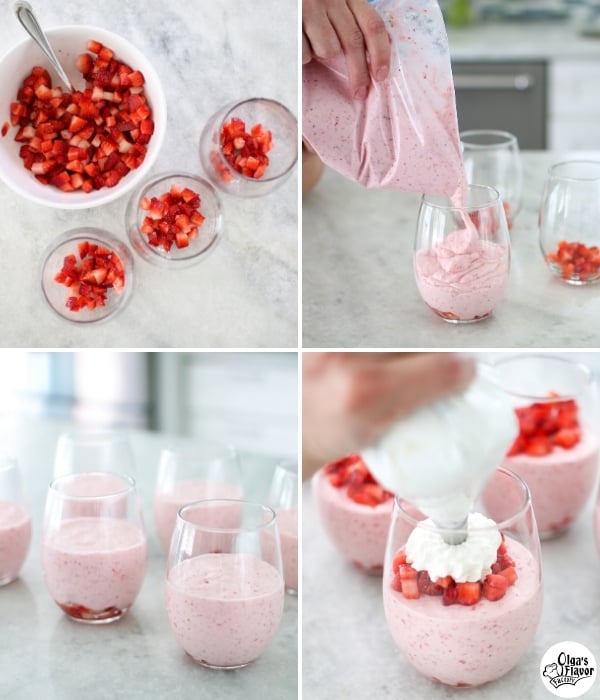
point(510, 574)
point(539, 446)
point(427, 586)
point(397, 583)
point(399, 559)
point(408, 576)
point(450, 595)
point(5, 128)
point(494, 586)
point(567, 437)
point(468, 592)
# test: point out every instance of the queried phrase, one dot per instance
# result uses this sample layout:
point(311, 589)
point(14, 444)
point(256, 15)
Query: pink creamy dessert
point(468, 645)
point(560, 482)
point(15, 537)
point(287, 523)
point(358, 531)
point(463, 277)
point(167, 503)
point(94, 565)
point(224, 608)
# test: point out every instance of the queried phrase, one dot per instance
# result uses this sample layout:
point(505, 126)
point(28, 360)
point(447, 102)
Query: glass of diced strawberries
point(568, 221)
point(87, 275)
point(174, 219)
point(250, 148)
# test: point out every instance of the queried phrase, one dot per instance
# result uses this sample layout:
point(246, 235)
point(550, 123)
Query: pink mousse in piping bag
point(404, 136)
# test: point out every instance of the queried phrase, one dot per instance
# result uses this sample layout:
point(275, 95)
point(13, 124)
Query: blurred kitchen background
point(248, 399)
point(531, 67)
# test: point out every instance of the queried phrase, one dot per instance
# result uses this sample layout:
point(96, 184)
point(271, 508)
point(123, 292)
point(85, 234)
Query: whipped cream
point(440, 457)
point(471, 560)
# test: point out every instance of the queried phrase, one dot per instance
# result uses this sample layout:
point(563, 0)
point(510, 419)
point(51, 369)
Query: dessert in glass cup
point(355, 511)
point(15, 521)
point(283, 498)
point(463, 604)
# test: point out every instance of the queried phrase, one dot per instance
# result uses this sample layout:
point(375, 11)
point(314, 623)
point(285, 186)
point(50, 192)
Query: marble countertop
point(45, 655)
point(517, 41)
point(359, 288)
point(245, 294)
point(348, 651)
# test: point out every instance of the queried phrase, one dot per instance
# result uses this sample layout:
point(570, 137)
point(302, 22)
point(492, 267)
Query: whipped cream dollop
point(471, 560)
point(440, 457)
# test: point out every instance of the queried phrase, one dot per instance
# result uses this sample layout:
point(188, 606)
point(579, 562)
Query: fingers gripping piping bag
point(440, 457)
point(404, 136)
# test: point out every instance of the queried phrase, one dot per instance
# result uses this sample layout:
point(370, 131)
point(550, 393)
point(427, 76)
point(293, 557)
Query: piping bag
point(404, 136)
point(440, 457)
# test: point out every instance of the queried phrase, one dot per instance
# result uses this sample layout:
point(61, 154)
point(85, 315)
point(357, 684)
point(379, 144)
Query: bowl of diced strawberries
point(174, 220)
point(87, 275)
point(81, 149)
point(250, 148)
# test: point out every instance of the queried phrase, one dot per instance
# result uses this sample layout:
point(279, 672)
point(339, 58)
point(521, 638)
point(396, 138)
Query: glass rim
point(129, 485)
point(570, 178)
point(227, 530)
point(494, 194)
point(217, 448)
point(86, 434)
point(585, 370)
point(507, 138)
point(503, 525)
point(273, 178)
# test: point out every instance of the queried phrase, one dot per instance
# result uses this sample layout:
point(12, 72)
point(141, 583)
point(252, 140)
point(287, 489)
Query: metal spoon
point(24, 13)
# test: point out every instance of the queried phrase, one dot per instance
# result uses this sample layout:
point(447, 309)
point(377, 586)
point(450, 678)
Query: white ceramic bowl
point(68, 42)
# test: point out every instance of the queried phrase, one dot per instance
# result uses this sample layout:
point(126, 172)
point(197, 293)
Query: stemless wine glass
point(283, 498)
point(484, 637)
point(557, 450)
point(224, 588)
point(568, 221)
point(93, 546)
point(493, 158)
point(462, 254)
point(256, 113)
point(193, 472)
point(15, 521)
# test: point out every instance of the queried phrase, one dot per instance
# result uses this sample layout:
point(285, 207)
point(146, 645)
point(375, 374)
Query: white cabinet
point(574, 104)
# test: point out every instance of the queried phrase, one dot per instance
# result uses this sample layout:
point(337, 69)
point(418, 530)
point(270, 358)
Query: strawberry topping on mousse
point(353, 475)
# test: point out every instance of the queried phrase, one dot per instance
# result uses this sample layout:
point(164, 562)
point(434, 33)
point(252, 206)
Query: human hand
point(330, 27)
point(349, 399)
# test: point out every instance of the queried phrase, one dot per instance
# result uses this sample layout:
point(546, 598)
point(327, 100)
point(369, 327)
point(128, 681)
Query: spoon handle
point(24, 13)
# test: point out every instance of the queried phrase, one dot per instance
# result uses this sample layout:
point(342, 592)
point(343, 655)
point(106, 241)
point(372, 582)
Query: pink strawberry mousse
point(224, 608)
point(287, 523)
point(463, 277)
point(94, 564)
point(167, 503)
point(15, 537)
point(468, 645)
point(560, 482)
point(358, 531)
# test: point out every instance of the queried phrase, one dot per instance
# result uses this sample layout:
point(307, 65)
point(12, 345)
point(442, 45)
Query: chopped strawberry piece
point(397, 583)
point(576, 261)
point(408, 577)
point(494, 587)
point(567, 437)
point(444, 581)
point(546, 425)
point(468, 592)
point(399, 559)
point(5, 128)
point(510, 574)
point(450, 595)
point(427, 586)
point(539, 446)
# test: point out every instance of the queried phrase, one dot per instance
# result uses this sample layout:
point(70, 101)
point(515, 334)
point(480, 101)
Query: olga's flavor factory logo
point(568, 669)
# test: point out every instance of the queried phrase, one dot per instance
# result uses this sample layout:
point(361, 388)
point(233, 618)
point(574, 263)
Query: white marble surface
point(359, 289)
point(243, 295)
point(45, 655)
point(516, 41)
point(347, 650)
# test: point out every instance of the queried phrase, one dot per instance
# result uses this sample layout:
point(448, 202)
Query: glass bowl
point(57, 294)
point(273, 117)
point(208, 232)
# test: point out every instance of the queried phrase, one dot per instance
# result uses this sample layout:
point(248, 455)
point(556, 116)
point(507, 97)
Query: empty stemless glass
point(462, 254)
point(15, 521)
point(224, 588)
point(93, 546)
point(466, 631)
point(557, 450)
point(283, 498)
point(193, 472)
point(568, 222)
point(493, 158)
